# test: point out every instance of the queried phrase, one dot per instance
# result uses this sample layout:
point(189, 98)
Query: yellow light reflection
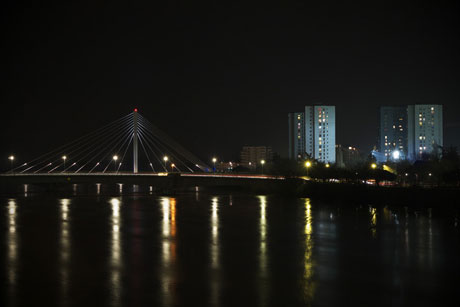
point(168, 227)
point(373, 212)
point(116, 253)
point(310, 285)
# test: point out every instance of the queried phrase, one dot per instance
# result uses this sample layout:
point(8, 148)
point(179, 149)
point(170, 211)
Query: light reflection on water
point(116, 261)
point(309, 287)
point(285, 248)
point(12, 246)
point(214, 250)
point(168, 251)
point(65, 250)
point(263, 270)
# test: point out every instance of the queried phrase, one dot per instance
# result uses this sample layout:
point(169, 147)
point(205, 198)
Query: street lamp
point(11, 158)
point(374, 166)
point(115, 158)
point(327, 165)
point(64, 158)
point(214, 160)
point(172, 167)
point(262, 162)
point(165, 158)
point(307, 165)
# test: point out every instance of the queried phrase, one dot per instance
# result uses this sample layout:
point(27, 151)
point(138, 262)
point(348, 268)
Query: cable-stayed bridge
point(117, 147)
point(128, 150)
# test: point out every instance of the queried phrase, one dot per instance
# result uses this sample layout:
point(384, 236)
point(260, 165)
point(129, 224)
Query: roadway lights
point(327, 165)
point(262, 162)
point(396, 155)
point(374, 166)
point(172, 167)
point(165, 158)
point(11, 158)
point(307, 165)
point(115, 158)
point(214, 160)
point(64, 158)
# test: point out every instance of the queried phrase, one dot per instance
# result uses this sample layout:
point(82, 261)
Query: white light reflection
point(214, 250)
point(215, 233)
point(116, 253)
point(168, 209)
point(12, 245)
point(309, 289)
point(263, 284)
point(64, 251)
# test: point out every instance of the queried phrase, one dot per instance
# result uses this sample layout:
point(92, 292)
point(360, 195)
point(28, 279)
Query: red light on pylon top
point(135, 110)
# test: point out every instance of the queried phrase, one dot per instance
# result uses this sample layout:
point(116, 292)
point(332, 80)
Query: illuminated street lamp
point(172, 167)
point(64, 158)
point(165, 158)
point(307, 165)
point(115, 158)
point(262, 162)
point(327, 165)
point(374, 166)
point(214, 160)
point(11, 158)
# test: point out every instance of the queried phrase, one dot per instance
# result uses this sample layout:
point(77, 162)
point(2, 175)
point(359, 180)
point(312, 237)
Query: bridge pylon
point(135, 137)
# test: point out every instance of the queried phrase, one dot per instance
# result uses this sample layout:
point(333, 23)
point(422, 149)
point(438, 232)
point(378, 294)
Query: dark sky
point(216, 77)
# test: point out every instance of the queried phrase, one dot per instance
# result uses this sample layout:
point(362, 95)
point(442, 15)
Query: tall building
point(313, 133)
point(296, 135)
point(251, 156)
point(393, 132)
point(425, 130)
point(320, 133)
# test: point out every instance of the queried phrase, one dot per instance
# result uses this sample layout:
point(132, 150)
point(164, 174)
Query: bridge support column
point(135, 152)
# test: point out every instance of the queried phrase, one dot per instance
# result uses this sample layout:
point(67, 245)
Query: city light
point(307, 165)
point(11, 158)
point(262, 162)
point(165, 158)
point(214, 160)
point(374, 166)
point(327, 165)
point(396, 155)
point(115, 158)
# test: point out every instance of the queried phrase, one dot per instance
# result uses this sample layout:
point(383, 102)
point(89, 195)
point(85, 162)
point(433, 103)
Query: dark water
point(224, 250)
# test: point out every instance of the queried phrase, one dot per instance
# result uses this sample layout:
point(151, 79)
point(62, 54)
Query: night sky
point(217, 77)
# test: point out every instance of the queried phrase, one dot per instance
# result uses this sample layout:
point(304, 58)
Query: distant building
point(393, 132)
point(251, 156)
point(425, 130)
point(296, 135)
point(312, 133)
point(347, 156)
point(320, 132)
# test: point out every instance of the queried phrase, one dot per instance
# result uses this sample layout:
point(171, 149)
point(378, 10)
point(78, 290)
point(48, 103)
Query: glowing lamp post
point(307, 165)
point(64, 158)
point(115, 158)
point(373, 166)
point(327, 165)
point(11, 158)
point(214, 160)
point(172, 167)
point(165, 158)
point(262, 162)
